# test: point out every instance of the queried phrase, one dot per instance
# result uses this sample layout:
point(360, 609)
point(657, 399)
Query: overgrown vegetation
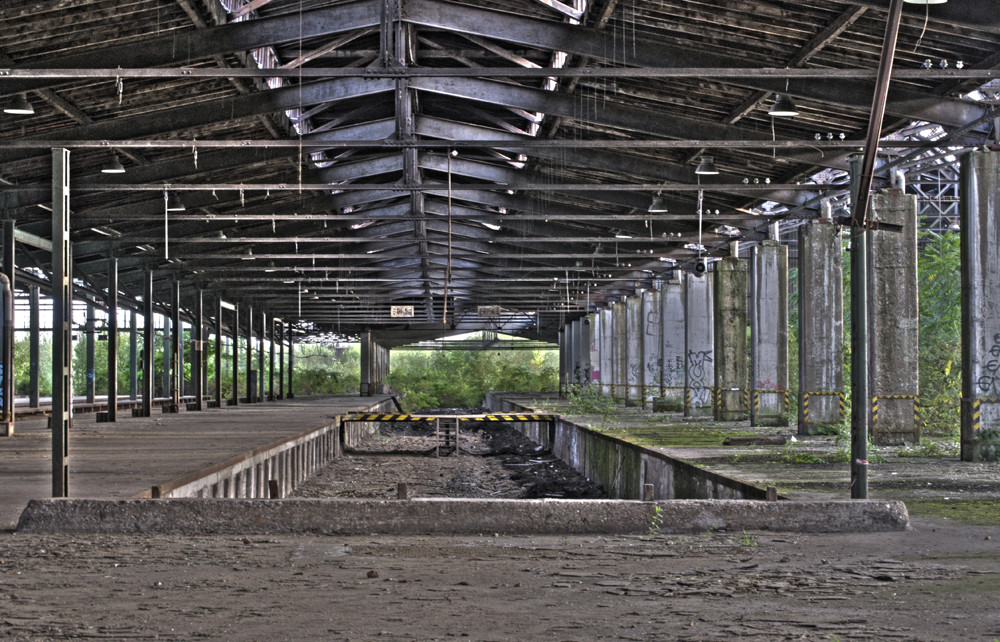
point(461, 378)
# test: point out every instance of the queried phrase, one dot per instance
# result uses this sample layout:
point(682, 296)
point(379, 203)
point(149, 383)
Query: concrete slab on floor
point(447, 516)
point(124, 459)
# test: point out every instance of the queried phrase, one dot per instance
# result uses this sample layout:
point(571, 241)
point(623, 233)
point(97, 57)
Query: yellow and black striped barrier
point(977, 420)
point(758, 393)
point(805, 403)
point(916, 408)
point(380, 416)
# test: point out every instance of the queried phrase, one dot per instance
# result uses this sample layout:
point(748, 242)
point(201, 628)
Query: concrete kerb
point(454, 516)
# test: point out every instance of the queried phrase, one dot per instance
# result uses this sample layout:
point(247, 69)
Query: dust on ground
point(493, 460)
point(936, 582)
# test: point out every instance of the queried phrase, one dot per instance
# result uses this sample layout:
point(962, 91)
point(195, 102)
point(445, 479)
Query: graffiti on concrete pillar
point(700, 394)
point(989, 382)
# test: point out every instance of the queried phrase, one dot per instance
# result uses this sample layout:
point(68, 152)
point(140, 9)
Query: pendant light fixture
point(174, 203)
point(783, 106)
point(19, 106)
point(114, 167)
point(658, 206)
point(706, 167)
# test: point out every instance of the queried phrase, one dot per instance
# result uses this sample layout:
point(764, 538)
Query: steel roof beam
point(599, 45)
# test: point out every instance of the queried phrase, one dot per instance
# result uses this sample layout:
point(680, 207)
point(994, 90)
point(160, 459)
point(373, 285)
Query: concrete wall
point(288, 461)
point(893, 321)
point(980, 202)
point(821, 325)
point(623, 468)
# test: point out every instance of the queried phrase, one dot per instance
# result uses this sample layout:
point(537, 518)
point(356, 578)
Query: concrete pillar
point(573, 355)
point(731, 366)
point(651, 343)
point(34, 346)
point(619, 345)
point(112, 339)
point(586, 366)
point(699, 346)
point(374, 365)
point(769, 335)
point(594, 347)
point(607, 368)
point(893, 322)
point(980, 203)
point(633, 346)
point(672, 353)
point(821, 326)
point(90, 337)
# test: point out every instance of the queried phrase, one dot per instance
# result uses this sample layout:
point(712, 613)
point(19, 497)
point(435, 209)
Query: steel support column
point(176, 366)
point(859, 350)
point(235, 401)
point(34, 345)
point(62, 324)
point(91, 329)
point(281, 359)
point(7, 342)
point(133, 356)
point(270, 369)
point(251, 379)
point(218, 351)
point(147, 344)
point(112, 302)
point(260, 358)
point(197, 354)
point(291, 362)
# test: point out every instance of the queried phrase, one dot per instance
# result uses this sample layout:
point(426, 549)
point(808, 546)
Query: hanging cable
point(166, 228)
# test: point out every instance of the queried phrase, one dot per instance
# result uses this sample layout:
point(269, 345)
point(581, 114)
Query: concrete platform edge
point(453, 516)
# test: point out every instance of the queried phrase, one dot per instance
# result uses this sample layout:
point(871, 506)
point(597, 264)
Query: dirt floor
point(939, 581)
point(493, 460)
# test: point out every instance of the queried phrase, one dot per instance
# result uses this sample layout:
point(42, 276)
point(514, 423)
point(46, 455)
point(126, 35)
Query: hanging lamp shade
point(657, 206)
point(706, 166)
point(19, 106)
point(783, 106)
point(924, 1)
point(114, 167)
point(174, 203)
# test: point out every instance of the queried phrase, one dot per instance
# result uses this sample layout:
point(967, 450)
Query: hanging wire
point(166, 228)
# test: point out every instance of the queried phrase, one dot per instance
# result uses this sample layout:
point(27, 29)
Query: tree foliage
point(461, 378)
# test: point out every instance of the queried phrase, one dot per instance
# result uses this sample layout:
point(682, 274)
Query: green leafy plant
point(747, 539)
point(656, 522)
